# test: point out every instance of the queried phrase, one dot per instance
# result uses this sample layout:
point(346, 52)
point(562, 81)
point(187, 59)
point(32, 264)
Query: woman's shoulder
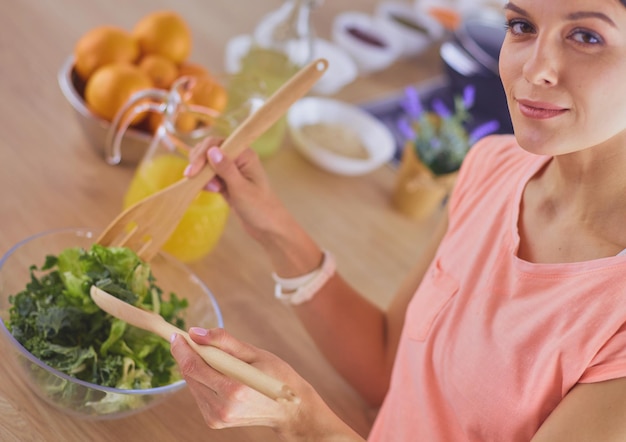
point(494, 164)
point(494, 155)
point(496, 148)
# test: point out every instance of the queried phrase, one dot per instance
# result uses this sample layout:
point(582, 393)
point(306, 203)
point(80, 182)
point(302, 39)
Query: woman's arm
point(366, 350)
point(589, 412)
point(358, 338)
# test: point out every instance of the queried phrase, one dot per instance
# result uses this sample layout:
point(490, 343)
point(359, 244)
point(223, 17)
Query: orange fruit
point(208, 92)
point(150, 120)
point(189, 68)
point(160, 69)
point(186, 122)
point(154, 121)
point(103, 45)
point(111, 86)
point(219, 98)
point(165, 33)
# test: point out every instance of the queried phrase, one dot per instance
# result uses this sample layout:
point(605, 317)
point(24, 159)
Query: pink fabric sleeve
point(610, 361)
point(470, 170)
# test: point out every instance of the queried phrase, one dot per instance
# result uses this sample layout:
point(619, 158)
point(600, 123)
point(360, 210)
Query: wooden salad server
point(145, 226)
point(218, 359)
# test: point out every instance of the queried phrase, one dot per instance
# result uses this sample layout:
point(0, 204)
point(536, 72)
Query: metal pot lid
point(459, 60)
point(482, 36)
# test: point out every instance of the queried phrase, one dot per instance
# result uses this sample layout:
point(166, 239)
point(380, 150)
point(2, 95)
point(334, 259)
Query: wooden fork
point(145, 226)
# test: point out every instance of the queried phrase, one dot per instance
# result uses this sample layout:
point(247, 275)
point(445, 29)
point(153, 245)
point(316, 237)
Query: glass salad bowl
point(135, 390)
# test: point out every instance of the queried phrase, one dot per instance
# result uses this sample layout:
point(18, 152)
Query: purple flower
point(483, 130)
point(441, 109)
point(405, 129)
point(411, 103)
point(435, 144)
point(469, 94)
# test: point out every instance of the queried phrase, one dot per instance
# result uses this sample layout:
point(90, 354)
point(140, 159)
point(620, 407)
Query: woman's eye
point(519, 27)
point(586, 37)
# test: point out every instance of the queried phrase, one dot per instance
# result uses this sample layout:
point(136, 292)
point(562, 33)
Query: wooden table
point(51, 177)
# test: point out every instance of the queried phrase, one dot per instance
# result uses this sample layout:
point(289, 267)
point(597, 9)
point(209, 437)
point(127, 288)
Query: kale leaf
point(56, 320)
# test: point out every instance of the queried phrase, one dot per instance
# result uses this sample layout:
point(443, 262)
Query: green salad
point(55, 319)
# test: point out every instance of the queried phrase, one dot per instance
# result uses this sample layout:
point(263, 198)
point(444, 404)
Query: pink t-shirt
point(491, 342)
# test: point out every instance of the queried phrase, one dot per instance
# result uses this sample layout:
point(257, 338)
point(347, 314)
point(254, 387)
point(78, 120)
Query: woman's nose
point(541, 67)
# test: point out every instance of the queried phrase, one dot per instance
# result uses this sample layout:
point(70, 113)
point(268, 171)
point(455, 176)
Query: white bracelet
point(294, 291)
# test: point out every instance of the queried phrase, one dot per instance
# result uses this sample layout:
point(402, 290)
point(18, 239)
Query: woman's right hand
point(243, 183)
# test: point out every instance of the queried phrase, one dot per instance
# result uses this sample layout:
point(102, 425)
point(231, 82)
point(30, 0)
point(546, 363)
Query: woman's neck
point(574, 208)
point(588, 183)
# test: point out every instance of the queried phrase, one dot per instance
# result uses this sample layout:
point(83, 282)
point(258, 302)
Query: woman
point(517, 331)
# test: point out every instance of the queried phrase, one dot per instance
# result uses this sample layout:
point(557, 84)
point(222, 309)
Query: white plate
point(374, 136)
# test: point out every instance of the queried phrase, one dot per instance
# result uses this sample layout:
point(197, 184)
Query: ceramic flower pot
point(418, 192)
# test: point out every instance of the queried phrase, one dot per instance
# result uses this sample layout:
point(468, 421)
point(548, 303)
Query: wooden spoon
point(218, 359)
point(154, 218)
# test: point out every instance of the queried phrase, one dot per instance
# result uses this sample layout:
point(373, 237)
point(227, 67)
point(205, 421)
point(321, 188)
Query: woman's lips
point(539, 110)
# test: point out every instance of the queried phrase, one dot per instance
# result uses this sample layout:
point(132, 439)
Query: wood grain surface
point(51, 177)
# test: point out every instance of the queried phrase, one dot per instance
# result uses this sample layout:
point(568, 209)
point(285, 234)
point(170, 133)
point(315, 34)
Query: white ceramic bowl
point(461, 7)
point(374, 135)
point(134, 143)
point(417, 30)
point(341, 71)
point(368, 56)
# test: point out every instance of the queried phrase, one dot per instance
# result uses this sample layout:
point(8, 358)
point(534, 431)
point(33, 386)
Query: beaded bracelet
point(295, 291)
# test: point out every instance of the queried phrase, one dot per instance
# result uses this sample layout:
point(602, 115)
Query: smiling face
point(563, 67)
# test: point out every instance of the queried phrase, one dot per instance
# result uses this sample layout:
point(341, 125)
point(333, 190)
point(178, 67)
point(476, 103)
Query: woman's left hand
point(225, 402)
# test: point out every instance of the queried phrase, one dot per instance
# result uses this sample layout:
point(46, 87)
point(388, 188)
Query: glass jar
point(182, 125)
point(282, 44)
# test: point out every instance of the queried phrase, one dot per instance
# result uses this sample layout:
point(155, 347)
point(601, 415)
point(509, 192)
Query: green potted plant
point(436, 142)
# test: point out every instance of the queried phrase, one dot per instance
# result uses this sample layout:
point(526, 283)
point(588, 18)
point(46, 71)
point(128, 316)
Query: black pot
point(471, 57)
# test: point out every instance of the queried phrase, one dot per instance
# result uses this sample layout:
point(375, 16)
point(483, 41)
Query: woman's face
point(563, 67)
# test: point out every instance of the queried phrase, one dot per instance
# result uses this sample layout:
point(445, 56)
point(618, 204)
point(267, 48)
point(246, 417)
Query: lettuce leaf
point(55, 319)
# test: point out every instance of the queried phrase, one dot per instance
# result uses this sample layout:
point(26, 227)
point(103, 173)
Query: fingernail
point(187, 170)
point(173, 338)
point(198, 331)
point(212, 186)
point(215, 154)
